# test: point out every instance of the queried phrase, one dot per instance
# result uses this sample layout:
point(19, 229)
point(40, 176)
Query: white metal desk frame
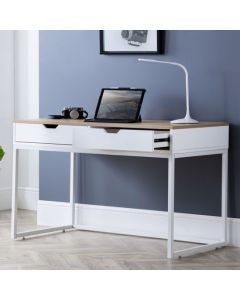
point(171, 185)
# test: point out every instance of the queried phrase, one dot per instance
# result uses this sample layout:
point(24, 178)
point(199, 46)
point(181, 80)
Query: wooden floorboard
point(84, 250)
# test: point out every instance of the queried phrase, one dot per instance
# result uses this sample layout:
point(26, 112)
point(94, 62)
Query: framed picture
point(132, 41)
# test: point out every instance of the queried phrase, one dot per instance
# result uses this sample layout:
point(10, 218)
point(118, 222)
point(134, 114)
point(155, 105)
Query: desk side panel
point(198, 139)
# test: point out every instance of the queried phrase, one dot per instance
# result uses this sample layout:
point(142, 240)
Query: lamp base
point(186, 120)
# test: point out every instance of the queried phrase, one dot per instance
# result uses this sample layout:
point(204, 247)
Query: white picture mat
point(113, 41)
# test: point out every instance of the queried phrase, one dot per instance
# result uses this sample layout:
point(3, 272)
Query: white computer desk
point(158, 139)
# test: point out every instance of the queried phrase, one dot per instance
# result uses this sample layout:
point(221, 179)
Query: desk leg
point(224, 193)
point(171, 175)
point(72, 186)
point(14, 233)
point(14, 193)
point(224, 239)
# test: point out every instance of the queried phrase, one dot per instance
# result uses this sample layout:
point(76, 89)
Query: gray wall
point(72, 73)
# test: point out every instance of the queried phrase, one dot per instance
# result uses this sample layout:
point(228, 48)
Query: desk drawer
point(38, 133)
point(119, 139)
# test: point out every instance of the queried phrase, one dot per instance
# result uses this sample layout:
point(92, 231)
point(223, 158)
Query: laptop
point(119, 105)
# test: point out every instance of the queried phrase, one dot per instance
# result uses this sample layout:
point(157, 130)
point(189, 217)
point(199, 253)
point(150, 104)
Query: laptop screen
point(119, 104)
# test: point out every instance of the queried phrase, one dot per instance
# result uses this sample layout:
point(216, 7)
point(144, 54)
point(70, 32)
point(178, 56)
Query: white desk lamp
point(187, 118)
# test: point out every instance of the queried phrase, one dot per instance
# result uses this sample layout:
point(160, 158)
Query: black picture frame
point(160, 45)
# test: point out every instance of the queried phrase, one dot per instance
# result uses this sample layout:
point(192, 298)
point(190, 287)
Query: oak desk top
point(146, 124)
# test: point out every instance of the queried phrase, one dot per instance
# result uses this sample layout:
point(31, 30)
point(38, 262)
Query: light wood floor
point(91, 250)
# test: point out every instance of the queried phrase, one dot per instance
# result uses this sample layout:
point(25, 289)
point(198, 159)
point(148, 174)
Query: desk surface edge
point(146, 124)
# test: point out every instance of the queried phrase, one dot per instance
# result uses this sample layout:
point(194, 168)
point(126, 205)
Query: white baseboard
point(27, 198)
point(192, 228)
point(5, 198)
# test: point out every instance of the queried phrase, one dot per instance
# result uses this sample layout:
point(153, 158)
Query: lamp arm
point(186, 77)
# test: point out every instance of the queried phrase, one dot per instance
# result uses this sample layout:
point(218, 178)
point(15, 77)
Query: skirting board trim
point(27, 198)
point(147, 223)
point(5, 198)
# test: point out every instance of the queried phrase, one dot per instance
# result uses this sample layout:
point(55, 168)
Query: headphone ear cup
point(74, 114)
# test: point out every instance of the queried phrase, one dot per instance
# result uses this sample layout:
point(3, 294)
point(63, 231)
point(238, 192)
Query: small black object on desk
point(55, 117)
point(74, 113)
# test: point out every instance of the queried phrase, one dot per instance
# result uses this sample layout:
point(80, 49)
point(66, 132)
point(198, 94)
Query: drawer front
point(37, 133)
point(113, 139)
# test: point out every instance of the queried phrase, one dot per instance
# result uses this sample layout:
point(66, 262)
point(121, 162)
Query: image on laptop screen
point(119, 104)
